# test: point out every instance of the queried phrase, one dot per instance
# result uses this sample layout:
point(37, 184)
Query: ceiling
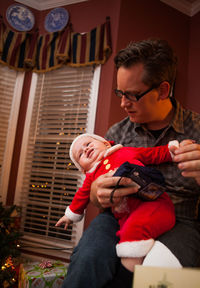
point(47, 4)
point(188, 7)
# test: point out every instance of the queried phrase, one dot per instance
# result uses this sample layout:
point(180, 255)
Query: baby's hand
point(64, 220)
point(173, 145)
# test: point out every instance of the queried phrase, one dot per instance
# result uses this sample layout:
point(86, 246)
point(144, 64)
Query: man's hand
point(103, 186)
point(188, 158)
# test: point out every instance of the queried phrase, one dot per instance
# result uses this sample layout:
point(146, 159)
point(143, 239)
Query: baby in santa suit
point(140, 221)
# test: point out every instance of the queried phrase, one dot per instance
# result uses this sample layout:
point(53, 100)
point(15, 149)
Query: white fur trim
point(112, 149)
point(134, 248)
point(77, 138)
point(161, 256)
point(73, 216)
point(173, 143)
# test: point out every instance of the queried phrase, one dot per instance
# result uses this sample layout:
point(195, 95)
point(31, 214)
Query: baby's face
point(87, 151)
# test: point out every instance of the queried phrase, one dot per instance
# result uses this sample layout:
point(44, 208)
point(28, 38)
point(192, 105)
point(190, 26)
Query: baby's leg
point(129, 263)
point(143, 225)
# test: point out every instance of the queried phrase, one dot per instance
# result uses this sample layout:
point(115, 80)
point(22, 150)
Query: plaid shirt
point(184, 192)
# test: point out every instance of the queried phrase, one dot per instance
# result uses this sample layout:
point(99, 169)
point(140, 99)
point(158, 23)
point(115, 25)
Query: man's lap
point(183, 239)
point(94, 261)
point(184, 242)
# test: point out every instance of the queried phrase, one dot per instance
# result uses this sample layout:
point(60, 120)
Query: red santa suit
point(140, 221)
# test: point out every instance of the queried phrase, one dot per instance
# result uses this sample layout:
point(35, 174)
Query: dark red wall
point(193, 93)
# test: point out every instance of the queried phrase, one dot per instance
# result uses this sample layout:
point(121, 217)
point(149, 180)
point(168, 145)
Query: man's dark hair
point(157, 57)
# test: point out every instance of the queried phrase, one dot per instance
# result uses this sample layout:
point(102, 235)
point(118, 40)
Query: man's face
point(146, 110)
point(87, 151)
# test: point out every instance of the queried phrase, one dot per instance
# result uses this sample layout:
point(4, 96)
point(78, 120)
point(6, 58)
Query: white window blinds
point(11, 87)
point(62, 105)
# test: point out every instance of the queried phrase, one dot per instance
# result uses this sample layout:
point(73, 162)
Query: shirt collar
point(177, 121)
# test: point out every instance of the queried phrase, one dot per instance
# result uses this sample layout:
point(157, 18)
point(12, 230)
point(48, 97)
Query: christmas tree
point(9, 244)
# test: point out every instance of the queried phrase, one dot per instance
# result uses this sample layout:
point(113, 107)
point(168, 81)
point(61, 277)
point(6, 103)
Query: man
point(146, 72)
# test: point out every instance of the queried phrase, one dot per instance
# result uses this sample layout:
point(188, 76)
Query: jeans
point(94, 262)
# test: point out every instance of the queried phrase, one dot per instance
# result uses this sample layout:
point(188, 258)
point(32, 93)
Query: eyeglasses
point(132, 96)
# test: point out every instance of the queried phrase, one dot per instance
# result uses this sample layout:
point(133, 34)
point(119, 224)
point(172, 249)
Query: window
point(11, 83)
point(62, 105)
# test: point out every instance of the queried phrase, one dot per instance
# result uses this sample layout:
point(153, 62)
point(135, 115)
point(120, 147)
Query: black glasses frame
point(132, 96)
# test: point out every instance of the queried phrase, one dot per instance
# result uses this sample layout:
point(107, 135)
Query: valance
point(41, 53)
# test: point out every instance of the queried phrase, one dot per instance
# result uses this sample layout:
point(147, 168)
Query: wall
point(193, 95)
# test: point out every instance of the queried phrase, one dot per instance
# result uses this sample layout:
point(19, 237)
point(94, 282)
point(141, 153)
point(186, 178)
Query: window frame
point(11, 132)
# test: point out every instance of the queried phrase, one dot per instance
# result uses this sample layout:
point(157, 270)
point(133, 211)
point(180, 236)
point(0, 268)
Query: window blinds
point(61, 107)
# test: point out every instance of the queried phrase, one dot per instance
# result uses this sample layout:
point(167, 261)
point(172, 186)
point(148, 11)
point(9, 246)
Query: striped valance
point(41, 53)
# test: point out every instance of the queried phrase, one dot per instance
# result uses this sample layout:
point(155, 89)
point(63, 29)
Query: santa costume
point(140, 221)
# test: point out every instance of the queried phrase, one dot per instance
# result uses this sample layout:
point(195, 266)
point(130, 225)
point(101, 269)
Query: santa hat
point(97, 137)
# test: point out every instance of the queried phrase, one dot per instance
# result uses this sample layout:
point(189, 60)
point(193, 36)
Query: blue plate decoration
point(20, 17)
point(56, 19)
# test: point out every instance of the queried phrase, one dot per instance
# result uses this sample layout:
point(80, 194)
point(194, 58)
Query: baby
point(140, 221)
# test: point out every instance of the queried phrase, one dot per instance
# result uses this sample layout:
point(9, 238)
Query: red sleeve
point(153, 155)
point(82, 196)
